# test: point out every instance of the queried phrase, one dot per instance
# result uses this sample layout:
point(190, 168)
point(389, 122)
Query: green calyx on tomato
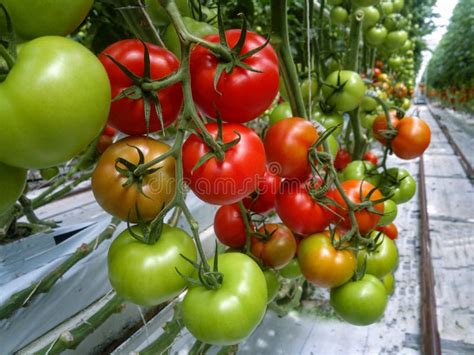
point(360, 302)
point(399, 185)
point(146, 273)
point(383, 259)
point(120, 192)
point(63, 110)
point(12, 184)
point(243, 292)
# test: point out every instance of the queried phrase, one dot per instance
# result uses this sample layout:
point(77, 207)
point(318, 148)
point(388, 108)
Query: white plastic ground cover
point(25, 262)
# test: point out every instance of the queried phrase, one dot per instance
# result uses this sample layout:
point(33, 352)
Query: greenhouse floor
point(312, 329)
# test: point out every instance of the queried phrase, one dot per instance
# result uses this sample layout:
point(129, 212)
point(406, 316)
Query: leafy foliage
point(452, 63)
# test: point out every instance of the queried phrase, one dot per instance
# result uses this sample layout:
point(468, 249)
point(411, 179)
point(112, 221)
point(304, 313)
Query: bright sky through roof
point(445, 9)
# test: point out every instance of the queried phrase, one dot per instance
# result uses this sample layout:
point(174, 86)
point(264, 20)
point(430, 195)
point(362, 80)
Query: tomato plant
point(229, 226)
point(146, 273)
point(128, 114)
point(121, 193)
point(12, 184)
point(68, 91)
point(257, 87)
point(287, 143)
point(243, 291)
point(322, 264)
point(360, 302)
point(236, 176)
point(275, 245)
point(298, 210)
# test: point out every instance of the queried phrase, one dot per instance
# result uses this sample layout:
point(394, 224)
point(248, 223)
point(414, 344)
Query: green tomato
point(291, 270)
point(395, 40)
point(348, 97)
point(387, 7)
point(53, 103)
point(146, 273)
point(382, 260)
point(36, 18)
point(391, 22)
point(273, 285)
point(228, 314)
point(399, 185)
point(199, 29)
point(360, 302)
point(280, 112)
point(389, 283)
point(367, 120)
point(361, 170)
point(338, 15)
point(329, 120)
point(398, 5)
point(158, 14)
point(12, 184)
point(390, 211)
point(305, 89)
point(332, 65)
point(365, 2)
point(395, 62)
point(368, 104)
point(408, 45)
point(371, 16)
point(375, 36)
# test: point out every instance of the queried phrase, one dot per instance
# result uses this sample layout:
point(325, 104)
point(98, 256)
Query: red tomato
point(343, 158)
point(357, 191)
point(229, 226)
point(412, 139)
point(109, 131)
point(242, 94)
point(287, 143)
point(126, 114)
point(390, 230)
point(298, 210)
point(236, 176)
point(263, 199)
point(277, 249)
point(377, 72)
point(371, 157)
point(380, 125)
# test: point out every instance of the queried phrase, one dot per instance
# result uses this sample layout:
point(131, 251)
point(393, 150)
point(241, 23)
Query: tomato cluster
point(300, 193)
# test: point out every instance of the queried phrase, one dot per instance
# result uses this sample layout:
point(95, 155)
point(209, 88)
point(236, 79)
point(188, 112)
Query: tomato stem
point(248, 231)
point(281, 43)
point(9, 59)
point(139, 22)
point(354, 41)
point(359, 139)
point(187, 38)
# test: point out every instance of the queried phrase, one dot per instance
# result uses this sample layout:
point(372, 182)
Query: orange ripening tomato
point(413, 137)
